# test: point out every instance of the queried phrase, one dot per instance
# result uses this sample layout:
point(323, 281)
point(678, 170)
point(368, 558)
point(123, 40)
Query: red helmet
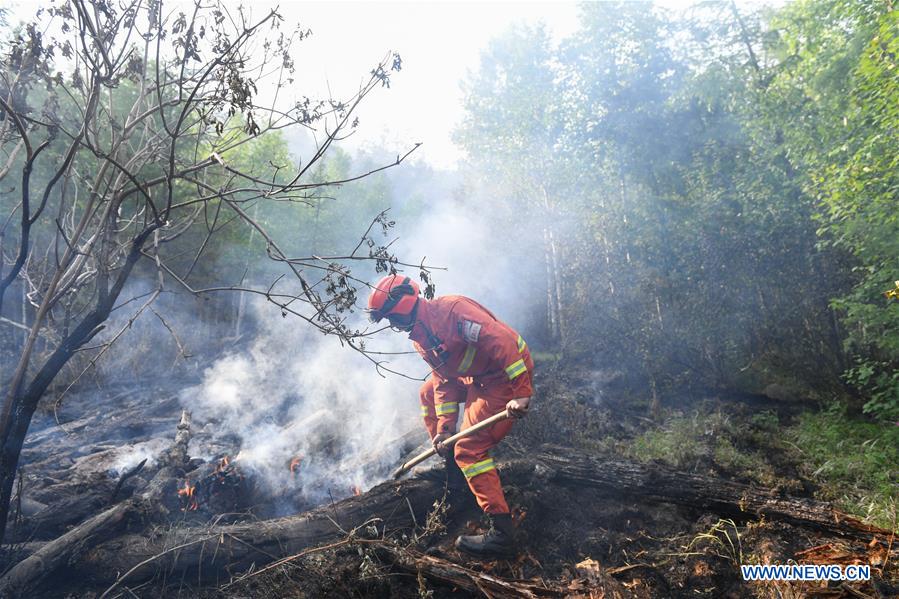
point(394, 294)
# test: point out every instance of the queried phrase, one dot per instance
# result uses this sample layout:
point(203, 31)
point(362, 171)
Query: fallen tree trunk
point(215, 553)
point(720, 496)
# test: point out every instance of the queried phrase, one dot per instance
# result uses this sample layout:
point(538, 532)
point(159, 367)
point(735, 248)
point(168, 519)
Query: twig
point(125, 477)
point(295, 556)
point(412, 512)
point(182, 351)
point(854, 592)
point(122, 578)
point(620, 569)
point(106, 347)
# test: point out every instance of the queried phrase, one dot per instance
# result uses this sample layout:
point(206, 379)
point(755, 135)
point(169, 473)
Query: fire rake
point(469, 431)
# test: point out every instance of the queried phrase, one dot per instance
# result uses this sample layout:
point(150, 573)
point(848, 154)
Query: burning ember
point(222, 478)
point(295, 465)
point(220, 472)
point(187, 494)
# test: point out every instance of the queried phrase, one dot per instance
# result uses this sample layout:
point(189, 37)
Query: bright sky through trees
point(439, 43)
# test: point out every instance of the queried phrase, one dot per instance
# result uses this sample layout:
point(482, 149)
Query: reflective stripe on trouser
point(471, 452)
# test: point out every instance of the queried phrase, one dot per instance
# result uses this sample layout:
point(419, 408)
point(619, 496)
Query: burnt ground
point(652, 550)
point(648, 549)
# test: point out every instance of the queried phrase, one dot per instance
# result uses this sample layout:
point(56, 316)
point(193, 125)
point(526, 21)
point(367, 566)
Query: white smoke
point(120, 460)
point(298, 394)
point(468, 241)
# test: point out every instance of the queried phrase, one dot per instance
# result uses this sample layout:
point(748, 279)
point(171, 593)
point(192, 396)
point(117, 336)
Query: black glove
point(443, 451)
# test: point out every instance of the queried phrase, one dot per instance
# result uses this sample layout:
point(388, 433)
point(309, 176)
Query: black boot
point(498, 542)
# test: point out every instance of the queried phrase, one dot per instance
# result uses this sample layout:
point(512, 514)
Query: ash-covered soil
point(579, 542)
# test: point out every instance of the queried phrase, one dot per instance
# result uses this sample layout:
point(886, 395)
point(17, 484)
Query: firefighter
point(477, 361)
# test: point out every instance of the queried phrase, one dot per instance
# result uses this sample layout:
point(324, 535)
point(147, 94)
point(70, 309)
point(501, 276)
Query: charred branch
point(215, 552)
point(478, 583)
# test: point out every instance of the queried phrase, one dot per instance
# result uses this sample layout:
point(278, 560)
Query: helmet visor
point(401, 322)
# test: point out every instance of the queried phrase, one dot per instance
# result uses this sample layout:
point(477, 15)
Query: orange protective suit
point(480, 361)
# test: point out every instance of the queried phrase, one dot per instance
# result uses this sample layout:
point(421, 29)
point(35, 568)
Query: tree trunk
point(552, 317)
point(554, 279)
point(21, 400)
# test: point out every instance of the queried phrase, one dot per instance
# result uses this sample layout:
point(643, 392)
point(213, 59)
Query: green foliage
point(766, 421)
point(856, 461)
point(676, 444)
point(712, 439)
point(713, 203)
point(880, 381)
point(841, 73)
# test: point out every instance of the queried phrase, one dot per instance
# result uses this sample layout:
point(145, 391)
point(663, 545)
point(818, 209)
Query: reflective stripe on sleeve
point(467, 359)
point(516, 368)
point(424, 411)
point(479, 468)
point(449, 407)
point(521, 344)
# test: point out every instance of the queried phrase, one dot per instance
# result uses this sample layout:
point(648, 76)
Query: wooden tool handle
point(469, 431)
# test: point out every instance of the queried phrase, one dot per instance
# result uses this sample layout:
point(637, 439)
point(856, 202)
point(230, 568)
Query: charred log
point(655, 483)
point(454, 575)
point(21, 579)
point(214, 553)
point(50, 557)
point(69, 474)
point(53, 520)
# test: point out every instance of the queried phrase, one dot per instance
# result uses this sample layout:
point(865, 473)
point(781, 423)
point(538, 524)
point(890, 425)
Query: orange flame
point(518, 514)
point(187, 492)
point(295, 465)
point(222, 465)
point(356, 490)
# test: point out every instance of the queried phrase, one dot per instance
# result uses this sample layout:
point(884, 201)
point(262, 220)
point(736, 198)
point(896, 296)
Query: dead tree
point(118, 136)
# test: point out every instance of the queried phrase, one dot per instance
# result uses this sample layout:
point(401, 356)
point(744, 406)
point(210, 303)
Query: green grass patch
point(545, 358)
point(676, 443)
point(855, 461)
point(714, 440)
